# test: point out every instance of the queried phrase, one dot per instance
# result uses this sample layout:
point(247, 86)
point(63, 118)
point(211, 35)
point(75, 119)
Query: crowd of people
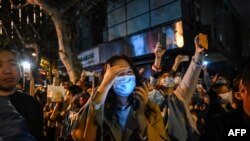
point(120, 105)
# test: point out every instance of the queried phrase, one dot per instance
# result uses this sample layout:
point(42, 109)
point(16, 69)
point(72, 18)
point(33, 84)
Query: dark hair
point(76, 104)
point(214, 104)
point(246, 77)
point(10, 49)
point(109, 108)
point(74, 90)
point(7, 48)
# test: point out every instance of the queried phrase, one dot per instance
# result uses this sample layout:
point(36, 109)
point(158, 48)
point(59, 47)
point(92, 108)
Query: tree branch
point(6, 32)
point(18, 6)
point(50, 10)
point(18, 34)
point(69, 4)
point(45, 6)
point(35, 31)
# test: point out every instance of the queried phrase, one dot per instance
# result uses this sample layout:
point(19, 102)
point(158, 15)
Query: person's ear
point(237, 95)
point(243, 92)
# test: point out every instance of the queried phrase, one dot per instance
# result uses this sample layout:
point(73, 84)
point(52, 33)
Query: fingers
point(196, 42)
point(120, 70)
point(159, 47)
point(108, 66)
point(117, 70)
point(158, 44)
point(198, 46)
point(201, 49)
point(141, 93)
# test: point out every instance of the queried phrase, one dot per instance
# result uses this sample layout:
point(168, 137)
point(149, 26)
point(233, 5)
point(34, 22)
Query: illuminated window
point(1, 28)
point(20, 14)
point(34, 14)
point(12, 35)
point(28, 20)
point(12, 24)
point(138, 44)
point(179, 34)
point(34, 17)
point(41, 14)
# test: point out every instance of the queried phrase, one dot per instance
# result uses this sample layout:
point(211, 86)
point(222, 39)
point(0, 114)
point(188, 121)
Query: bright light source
point(33, 54)
point(26, 65)
point(205, 63)
point(179, 40)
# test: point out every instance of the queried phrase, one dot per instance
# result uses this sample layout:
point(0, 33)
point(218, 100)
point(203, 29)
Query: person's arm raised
point(190, 79)
point(107, 82)
point(159, 52)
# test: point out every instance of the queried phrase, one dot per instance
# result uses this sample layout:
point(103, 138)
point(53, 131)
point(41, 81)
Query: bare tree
point(64, 34)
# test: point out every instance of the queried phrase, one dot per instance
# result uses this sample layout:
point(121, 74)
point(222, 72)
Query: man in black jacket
point(24, 104)
point(12, 125)
point(235, 124)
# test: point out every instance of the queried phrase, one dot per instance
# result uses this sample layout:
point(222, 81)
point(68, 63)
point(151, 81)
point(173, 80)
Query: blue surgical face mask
point(168, 82)
point(124, 85)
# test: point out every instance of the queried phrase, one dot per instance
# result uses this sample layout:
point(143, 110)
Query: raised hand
point(159, 51)
point(198, 47)
point(180, 58)
point(111, 73)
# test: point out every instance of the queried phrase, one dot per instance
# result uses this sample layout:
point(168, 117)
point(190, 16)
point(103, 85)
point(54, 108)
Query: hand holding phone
point(162, 39)
point(135, 102)
point(203, 41)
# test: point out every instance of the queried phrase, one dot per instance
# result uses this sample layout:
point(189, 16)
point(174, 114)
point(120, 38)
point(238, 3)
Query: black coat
point(12, 125)
point(32, 112)
point(217, 127)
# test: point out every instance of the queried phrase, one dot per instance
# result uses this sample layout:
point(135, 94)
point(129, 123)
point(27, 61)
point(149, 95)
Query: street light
point(26, 66)
point(26, 71)
point(205, 63)
point(33, 54)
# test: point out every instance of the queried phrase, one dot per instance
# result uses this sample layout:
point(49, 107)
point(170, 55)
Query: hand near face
point(111, 73)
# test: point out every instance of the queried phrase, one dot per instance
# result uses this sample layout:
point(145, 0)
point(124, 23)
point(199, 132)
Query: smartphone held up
point(162, 39)
point(203, 40)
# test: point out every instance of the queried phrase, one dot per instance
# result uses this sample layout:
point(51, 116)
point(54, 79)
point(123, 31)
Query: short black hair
point(74, 90)
point(7, 47)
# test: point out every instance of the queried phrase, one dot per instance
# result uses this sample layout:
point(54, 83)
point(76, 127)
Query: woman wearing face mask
point(120, 109)
point(221, 98)
point(176, 115)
